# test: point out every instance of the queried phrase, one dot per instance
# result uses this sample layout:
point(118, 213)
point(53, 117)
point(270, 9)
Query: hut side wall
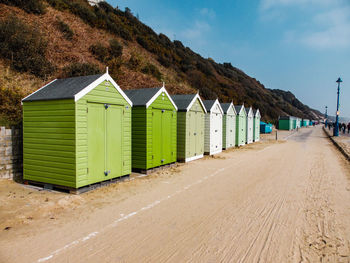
point(49, 153)
point(182, 139)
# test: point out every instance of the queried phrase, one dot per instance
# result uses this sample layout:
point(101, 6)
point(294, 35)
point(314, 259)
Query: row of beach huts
point(291, 123)
point(84, 130)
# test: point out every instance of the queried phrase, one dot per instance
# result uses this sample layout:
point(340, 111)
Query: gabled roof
point(226, 106)
point(72, 88)
point(240, 108)
point(145, 97)
point(249, 111)
point(185, 102)
point(209, 104)
point(256, 113)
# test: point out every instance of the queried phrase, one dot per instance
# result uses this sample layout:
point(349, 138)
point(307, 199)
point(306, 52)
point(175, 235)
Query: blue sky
point(297, 45)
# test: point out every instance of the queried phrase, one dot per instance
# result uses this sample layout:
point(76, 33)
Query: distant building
point(94, 2)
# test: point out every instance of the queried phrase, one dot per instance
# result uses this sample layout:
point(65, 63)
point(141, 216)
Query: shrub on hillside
point(24, 47)
point(65, 29)
point(115, 48)
point(30, 6)
point(80, 69)
point(134, 62)
point(100, 52)
point(152, 70)
point(10, 101)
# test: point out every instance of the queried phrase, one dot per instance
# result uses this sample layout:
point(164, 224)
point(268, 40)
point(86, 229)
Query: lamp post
point(336, 128)
point(326, 116)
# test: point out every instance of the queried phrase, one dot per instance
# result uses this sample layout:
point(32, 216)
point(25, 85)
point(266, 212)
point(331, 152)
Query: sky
point(298, 45)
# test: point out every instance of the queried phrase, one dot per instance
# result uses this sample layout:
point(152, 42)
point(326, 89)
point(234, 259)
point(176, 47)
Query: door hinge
point(87, 170)
point(106, 106)
point(87, 110)
point(152, 157)
point(163, 111)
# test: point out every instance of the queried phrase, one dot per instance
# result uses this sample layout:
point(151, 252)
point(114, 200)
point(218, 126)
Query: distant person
point(344, 127)
point(348, 127)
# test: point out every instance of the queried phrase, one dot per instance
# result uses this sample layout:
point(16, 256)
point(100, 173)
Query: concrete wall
point(11, 152)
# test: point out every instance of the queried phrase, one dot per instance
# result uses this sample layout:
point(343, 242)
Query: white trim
point(257, 112)
point(242, 108)
point(192, 102)
point(250, 112)
point(218, 103)
point(216, 152)
point(97, 82)
point(37, 90)
point(234, 109)
point(162, 89)
point(189, 159)
point(257, 140)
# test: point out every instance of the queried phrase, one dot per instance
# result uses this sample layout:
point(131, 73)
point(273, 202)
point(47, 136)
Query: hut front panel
point(103, 93)
point(207, 134)
point(241, 122)
point(49, 142)
point(169, 127)
point(195, 123)
point(256, 129)
point(249, 129)
point(229, 129)
point(182, 138)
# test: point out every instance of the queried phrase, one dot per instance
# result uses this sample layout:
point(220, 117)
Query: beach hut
point(265, 127)
point(213, 127)
point(190, 127)
point(228, 125)
point(154, 122)
point(241, 125)
point(250, 124)
point(256, 126)
point(77, 132)
point(305, 123)
point(285, 123)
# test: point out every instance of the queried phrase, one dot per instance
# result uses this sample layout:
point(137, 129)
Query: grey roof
point(62, 88)
point(225, 106)
point(183, 101)
point(238, 108)
point(208, 104)
point(140, 97)
point(247, 110)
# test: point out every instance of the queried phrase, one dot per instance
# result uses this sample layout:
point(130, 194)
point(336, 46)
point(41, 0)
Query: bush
point(100, 52)
point(152, 70)
point(30, 6)
point(134, 62)
point(10, 101)
point(65, 29)
point(80, 69)
point(85, 13)
point(115, 48)
point(24, 47)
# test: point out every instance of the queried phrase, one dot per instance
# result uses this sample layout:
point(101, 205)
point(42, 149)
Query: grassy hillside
point(45, 39)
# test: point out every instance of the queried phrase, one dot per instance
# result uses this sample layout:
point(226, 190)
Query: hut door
point(104, 141)
point(230, 130)
point(167, 119)
point(199, 133)
point(96, 142)
point(192, 134)
point(114, 144)
point(157, 137)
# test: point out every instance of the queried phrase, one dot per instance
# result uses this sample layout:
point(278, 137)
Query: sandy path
point(277, 202)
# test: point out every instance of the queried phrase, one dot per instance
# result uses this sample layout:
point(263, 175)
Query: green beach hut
point(241, 125)
point(154, 122)
point(228, 125)
point(285, 123)
point(256, 129)
point(77, 132)
point(190, 127)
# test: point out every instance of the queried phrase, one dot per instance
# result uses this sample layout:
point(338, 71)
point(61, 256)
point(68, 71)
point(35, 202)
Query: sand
point(273, 201)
